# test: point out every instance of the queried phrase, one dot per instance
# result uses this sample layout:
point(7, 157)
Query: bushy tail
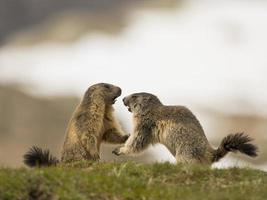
point(233, 143)
point(36, 157)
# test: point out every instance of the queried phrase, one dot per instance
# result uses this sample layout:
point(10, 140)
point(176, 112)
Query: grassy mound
point(129, 180)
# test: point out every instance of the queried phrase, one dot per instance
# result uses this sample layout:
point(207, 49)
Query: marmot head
point(105, 91)
point(141, 102)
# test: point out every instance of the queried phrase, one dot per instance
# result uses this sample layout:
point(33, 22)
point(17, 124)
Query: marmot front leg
point(136, 143)
point(132, 146)
point(113, 132)
point(114, 136)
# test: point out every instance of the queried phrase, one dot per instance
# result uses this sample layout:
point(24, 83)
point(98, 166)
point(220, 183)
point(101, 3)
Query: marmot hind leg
point(90, 147)
point(190, 155)
point(183, 159)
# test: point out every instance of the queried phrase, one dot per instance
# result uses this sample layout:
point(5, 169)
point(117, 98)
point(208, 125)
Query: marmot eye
point(134, 97)
point(107, 86)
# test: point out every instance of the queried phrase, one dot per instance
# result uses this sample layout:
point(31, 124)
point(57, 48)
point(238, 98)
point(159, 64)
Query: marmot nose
point(124, 100)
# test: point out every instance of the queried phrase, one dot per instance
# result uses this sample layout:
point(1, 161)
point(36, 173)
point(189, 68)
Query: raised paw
point(117, 151)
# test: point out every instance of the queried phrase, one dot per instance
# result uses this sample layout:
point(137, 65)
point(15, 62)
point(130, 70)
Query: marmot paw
point(93, 157)
point(117, 151)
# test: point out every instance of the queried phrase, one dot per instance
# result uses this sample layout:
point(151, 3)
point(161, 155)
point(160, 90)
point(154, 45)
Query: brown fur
point(178, 129)
point(92, 123)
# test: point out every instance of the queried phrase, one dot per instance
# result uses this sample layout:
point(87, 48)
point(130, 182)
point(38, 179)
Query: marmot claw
point(116, 152)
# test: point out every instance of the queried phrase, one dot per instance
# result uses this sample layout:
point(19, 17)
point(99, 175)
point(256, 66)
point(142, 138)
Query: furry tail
point(36, 157)
point(233, 143)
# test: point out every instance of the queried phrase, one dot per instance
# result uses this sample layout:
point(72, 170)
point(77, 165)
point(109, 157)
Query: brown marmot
point(178, 129)
point(91, 124)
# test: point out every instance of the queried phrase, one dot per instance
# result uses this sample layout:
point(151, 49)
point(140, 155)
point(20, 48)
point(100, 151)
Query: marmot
point(179, 130)
point(92, 123)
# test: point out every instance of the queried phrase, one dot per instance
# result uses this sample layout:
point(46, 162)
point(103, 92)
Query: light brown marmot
point(91, 124)
point(178, 129)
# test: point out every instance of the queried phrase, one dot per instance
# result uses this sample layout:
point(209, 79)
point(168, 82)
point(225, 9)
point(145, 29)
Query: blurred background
point(209, 55)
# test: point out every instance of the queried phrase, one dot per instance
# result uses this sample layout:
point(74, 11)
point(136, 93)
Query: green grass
point(131, 181)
